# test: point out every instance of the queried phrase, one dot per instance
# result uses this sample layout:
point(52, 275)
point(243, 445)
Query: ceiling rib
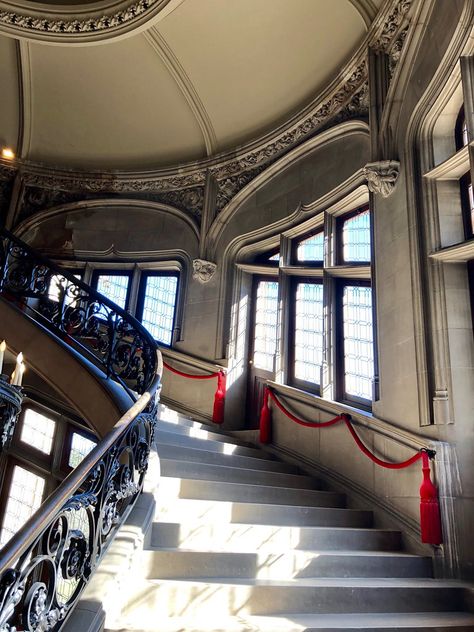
point(367, 10)
point(25, 98)
point(172, 64)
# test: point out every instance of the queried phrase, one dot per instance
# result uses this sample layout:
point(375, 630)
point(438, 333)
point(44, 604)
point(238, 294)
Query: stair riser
point(262, 537)
point(173, 487)
point(207, 512)
point(202, 565)
point(177, 598)
point(172, 438)
point(193, 455)
point(223, 473)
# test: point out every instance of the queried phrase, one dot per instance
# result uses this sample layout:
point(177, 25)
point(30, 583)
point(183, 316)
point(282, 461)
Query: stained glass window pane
point(358, 341)
point(80, 448)
point(114, 287)
point(308, 331)
point(159, 306)
point(356, 237)
point(311, 249)
point(26, 493)
point(265, 325)
point(37, 431)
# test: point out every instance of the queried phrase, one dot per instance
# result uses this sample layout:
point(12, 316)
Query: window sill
point(452, 168)
point(459, 253)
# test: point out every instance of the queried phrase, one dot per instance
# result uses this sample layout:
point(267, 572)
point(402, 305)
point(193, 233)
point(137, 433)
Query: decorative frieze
point(382, 176)
point(203, 270)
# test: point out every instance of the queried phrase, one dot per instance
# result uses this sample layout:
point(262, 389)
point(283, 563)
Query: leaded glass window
point(24, 498)
point(37, 430)
point(308, 332)
point(266, 316)
point(80, 448)
point(355, 238)
point(159, 292)
point(311, 248)
point(357, 341)
point(114, 287)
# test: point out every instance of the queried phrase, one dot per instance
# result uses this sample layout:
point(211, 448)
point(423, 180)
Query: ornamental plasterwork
point(48, 26)
point(382, 176)
point(203, 270)
point(348, 99)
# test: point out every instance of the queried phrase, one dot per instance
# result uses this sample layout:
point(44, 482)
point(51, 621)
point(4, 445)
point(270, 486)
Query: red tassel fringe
point(265, 419)
point(430, 518)
point(219, 399)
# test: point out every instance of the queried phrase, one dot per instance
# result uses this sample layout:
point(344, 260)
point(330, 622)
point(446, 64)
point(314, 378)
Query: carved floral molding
point(382, 176)
point(47, 26)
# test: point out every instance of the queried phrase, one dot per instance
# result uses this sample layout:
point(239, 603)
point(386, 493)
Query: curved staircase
point(241, 541)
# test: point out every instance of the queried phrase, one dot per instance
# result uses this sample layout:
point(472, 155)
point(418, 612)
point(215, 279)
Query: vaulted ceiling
point(203, 77)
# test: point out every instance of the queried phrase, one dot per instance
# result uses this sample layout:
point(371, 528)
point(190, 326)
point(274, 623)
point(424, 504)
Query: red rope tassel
point(430, 519)
point(219, 399)
point(265, 419)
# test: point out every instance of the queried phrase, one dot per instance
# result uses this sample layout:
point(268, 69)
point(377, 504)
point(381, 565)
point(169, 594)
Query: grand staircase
point(243, 542)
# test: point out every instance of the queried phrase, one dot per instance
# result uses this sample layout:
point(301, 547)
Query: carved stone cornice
point(203, 270)
point(395, 20)
point(80, 23)
point(382, 176)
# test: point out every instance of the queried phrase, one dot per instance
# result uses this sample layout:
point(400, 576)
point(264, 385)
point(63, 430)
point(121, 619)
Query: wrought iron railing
point(45, 567)
point(103, 332)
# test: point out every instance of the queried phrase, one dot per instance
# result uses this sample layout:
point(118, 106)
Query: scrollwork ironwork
point(40, 589)
point(104, 333)
point(10, 406)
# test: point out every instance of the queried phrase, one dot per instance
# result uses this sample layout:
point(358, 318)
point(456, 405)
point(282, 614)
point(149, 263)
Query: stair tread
point(325, 552)
point(316, 582)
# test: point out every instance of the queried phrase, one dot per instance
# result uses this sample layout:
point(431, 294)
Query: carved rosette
point(203, 270)
point(382, 176)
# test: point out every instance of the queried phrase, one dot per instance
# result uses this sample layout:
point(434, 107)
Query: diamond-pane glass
point(308, 331)
point(159, 306)
point(356, 237)
point(24, 498)
point(37, 431)
point(80, 448)
point(358, 341)
point(311, 249)
point(114, 287)
point(265, 325)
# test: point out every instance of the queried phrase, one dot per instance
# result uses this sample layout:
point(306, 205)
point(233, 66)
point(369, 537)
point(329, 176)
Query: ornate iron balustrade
point(45, 567)
point(10, 406)
point(103, 332)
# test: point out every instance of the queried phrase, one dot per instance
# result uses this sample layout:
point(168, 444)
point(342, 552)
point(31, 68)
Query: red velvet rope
point(190, 375)
point(347, 419)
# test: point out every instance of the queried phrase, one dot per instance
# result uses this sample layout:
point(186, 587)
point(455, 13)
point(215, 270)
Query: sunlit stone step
point(189, 454)
point(222, 597)
point(382, 622)
point(177, 564)
point(224, 447)
point(224, 473)
point(223, 536)
point(205, 511)
point(176, 487)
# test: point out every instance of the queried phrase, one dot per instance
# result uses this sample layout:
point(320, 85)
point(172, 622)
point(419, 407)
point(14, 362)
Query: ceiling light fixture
point(8, 153)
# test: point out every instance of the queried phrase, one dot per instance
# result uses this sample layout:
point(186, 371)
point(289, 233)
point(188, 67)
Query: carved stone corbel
point(203, 270)
point(382, 176)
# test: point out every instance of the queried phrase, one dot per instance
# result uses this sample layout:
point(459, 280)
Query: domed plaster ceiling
point(207, 77)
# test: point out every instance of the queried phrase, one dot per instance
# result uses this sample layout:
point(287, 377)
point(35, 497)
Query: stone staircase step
point(196, 455)
point(252, 537)
point(224, 447)
point(225, 473)
point(354, 622)
point(197, 431)
point(221, 597)
point(178, 563)
point(205, 511)
point(176, 487)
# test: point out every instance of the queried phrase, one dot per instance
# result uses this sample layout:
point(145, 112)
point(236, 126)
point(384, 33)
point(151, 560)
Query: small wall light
point(8, 153)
